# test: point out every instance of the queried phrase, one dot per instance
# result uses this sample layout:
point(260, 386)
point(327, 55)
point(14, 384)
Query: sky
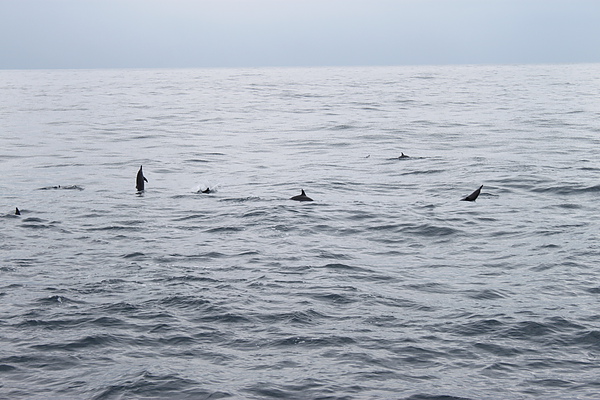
point(281, 33)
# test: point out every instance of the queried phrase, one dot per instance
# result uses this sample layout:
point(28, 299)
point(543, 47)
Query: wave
point(566, 190)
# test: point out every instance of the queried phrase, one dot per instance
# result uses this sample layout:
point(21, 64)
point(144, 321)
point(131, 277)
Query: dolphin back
point(301, 197)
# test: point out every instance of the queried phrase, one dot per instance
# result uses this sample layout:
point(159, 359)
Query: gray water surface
point(386, 286)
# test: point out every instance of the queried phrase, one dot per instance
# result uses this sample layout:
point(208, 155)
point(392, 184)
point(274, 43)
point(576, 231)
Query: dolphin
point(139, 181)
point(67, 187)
point(473, 195)
point(17, 212)
point(207, 190)
point(302, 197)
point(402, 155)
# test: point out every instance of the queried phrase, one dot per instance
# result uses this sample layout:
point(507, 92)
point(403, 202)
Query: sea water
point(386, 286)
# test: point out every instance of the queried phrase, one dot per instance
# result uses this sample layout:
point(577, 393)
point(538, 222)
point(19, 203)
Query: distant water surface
point(386, 286)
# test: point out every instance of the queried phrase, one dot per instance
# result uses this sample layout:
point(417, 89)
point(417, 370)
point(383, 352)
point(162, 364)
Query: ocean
point(386, 286)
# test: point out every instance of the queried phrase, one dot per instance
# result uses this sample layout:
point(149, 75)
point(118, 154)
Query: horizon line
point(301, 66)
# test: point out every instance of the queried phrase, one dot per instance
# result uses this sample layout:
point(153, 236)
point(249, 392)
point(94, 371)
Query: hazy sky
point(249, 33)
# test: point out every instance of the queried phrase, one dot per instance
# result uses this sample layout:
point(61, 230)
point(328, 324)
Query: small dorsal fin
point(473, 196)
point(301, 197)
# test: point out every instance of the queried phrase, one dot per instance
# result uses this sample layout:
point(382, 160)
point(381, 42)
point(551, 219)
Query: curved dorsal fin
point(473, 195)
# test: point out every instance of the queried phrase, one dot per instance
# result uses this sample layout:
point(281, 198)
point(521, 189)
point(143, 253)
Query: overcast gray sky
point(250, 33)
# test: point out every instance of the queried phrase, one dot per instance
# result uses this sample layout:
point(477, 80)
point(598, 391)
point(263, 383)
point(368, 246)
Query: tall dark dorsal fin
point(139, 180)
point(473, 196)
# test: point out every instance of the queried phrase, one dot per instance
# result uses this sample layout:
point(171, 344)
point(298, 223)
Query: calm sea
point(386, 286)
